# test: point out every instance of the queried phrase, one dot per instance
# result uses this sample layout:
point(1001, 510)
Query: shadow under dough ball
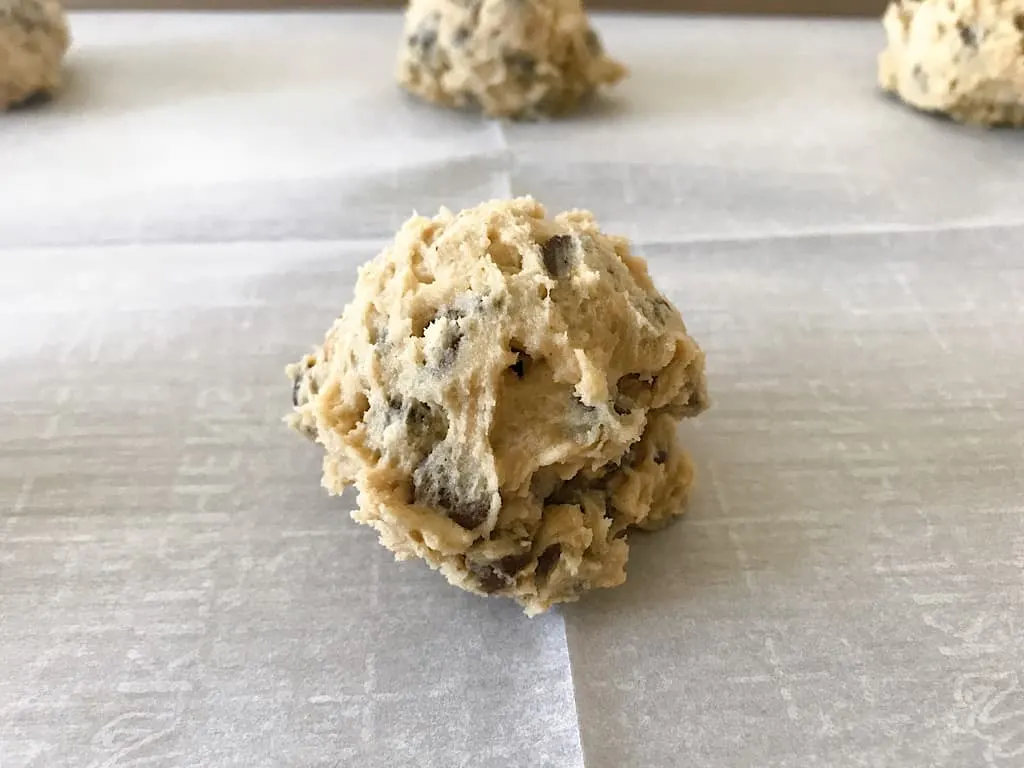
point(959, 58)
point(504, 390)
point(518, 59)
point(33, 40)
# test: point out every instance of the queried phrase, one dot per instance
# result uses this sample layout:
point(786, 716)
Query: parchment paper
point(847, 588)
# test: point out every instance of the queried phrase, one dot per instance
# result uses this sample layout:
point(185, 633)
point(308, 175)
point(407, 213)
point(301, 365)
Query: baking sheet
point(175, 589)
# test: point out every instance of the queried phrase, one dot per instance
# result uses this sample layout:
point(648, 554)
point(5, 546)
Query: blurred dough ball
point(507, 58)
point(960, 58)
point(33, 40)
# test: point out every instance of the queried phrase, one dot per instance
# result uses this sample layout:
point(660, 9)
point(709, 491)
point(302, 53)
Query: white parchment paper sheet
point(175, 589)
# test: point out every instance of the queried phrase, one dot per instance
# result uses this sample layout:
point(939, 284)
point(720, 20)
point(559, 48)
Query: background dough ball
point(33, 41)
point(504, 391)
point(508, 58)
point(961, 58)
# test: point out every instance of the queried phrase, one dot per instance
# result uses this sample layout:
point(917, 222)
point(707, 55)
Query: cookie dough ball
point(961, 58)
point(508, 58)
point(33, 41)
point(504, 391)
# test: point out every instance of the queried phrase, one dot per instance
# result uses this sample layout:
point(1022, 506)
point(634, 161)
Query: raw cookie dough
point(509, 58)
point(504, 392)
point(961, 58)
point(33, 40)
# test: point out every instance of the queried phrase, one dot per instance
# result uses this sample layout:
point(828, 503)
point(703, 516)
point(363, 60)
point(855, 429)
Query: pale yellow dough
point(33, 40)
point(960, 58)
point(504, 391)
point(507, 58)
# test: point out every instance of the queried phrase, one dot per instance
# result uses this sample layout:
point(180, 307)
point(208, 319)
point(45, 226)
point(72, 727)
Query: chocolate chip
point(548, 560)
point(295, 390)
point(500, 573)
point(920, 77)
point(489, 579)
point(433, 489)
point(427, 39)
point(519, 366)
point(520, 63)
point(967, 35)
point(510, 565)
point(557, 254)
point(468, 515)
point(424, 39)
point(425, 426)
point(450, 342)
point(660, 457)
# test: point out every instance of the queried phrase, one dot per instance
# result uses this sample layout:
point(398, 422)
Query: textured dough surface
point(33, 40)
point(961, 58)
point(504, 391)
point(508, 58)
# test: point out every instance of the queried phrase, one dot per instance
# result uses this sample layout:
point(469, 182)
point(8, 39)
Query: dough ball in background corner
point(959, 58)
point(33, 40)
point(504, 390)
point(518, 59)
